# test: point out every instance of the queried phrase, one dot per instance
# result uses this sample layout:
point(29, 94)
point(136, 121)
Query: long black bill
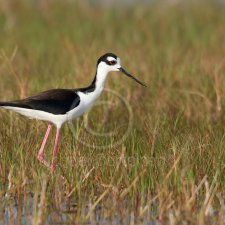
point(129, 75)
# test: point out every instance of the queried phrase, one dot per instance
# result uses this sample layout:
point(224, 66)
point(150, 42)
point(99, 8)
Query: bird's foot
point(42, 160)
point(53, 167)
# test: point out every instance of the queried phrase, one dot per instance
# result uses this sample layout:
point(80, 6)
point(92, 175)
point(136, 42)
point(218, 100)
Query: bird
point(58, 106)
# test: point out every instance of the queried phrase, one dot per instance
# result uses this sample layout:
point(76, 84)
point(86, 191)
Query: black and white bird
point(58, 106)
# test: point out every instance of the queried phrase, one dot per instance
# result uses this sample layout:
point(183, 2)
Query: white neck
point(102, 72)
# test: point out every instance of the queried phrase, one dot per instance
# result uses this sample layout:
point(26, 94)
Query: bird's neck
point(100, 78)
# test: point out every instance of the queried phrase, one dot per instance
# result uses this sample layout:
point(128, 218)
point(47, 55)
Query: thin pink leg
point(41, 151)
point(55, 150)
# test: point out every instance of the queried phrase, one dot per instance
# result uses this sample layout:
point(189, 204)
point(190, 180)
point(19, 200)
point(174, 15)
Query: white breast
point(86, 101)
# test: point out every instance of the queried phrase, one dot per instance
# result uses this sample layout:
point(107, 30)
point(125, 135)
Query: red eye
point(113, 62)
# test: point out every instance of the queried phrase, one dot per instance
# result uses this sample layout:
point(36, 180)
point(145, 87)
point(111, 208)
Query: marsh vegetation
point(170, 168)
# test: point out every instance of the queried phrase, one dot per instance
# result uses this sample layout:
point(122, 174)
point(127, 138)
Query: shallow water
point(32, 209)
point(15, 211)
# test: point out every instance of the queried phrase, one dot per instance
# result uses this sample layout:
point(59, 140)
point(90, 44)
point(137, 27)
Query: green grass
point(171, 166)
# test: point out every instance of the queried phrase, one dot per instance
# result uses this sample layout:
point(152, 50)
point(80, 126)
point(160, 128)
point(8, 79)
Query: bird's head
point(111, 62)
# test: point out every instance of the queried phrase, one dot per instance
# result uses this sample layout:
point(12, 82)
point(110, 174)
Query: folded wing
point(55, 101)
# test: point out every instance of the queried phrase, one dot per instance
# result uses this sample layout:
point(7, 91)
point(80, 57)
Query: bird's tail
point(2, 104)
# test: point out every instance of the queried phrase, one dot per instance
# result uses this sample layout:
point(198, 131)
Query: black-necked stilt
point(58, 106)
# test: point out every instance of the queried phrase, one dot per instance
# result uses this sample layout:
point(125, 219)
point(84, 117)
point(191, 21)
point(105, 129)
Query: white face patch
point(110, 58)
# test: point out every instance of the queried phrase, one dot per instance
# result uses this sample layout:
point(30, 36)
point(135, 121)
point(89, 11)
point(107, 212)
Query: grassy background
point(171, 167)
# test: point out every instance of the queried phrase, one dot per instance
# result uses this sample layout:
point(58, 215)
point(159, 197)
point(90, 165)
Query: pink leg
point(55, 150)
point(41, 151)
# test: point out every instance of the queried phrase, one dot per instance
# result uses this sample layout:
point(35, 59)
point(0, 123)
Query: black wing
point(55, 101)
